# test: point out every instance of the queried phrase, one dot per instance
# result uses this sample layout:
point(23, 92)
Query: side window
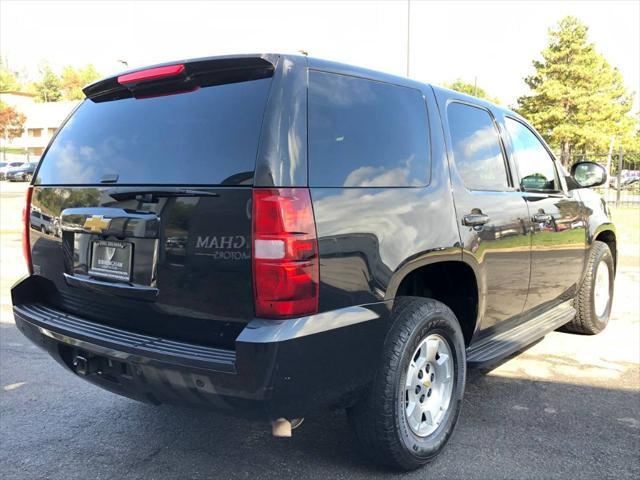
point(476, 148)
point(364, 133)
point(535, 165)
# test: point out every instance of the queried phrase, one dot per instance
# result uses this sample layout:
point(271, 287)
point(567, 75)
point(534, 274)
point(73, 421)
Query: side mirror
point(588, 174)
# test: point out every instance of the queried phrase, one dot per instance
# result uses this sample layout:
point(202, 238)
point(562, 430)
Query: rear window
point(364, 133)
point(209, 137)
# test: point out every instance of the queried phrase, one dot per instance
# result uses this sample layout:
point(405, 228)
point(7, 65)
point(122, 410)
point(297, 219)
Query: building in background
point(43, 120)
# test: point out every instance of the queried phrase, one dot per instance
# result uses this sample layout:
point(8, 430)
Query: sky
point(493, 41)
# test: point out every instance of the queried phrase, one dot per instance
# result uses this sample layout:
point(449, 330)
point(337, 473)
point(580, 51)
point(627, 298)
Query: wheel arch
point(606, 233)
point(449, 280)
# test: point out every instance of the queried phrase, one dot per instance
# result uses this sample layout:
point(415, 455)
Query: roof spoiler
point(181, 77)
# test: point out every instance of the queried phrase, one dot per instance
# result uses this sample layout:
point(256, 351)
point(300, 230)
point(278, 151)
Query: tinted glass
point(534, 164)
point(364, 133)
point(201, 137)
point(476, 148)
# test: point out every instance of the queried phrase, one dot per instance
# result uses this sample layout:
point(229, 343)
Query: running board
point(503, 344)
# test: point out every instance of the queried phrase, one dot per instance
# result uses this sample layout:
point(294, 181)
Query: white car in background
point(627, 178)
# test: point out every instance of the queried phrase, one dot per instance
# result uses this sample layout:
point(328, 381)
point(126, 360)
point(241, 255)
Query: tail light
point(285, 253)
point(26, 224)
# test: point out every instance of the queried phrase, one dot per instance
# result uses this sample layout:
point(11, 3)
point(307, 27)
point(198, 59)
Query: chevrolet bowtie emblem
point(427, 383)
point(97, 223)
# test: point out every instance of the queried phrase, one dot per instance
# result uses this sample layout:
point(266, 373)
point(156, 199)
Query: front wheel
point(410, 411)
point(594, 298)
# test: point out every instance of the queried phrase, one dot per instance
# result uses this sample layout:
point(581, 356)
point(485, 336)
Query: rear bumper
point(278, 368)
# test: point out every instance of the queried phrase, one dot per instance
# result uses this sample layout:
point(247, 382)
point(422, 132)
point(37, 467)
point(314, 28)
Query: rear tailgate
point(149, 196)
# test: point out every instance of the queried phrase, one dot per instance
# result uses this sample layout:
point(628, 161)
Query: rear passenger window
point(476, 148)
point(364, 133)
point(534, 164)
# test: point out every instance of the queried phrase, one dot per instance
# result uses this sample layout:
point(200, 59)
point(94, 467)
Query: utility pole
point(619, 177)
point(408, 33)
point(606, 187)
point(475, 86)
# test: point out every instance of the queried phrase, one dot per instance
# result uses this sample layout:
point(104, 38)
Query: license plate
point(111, 259)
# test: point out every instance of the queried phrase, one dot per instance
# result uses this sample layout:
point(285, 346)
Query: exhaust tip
point(281, 428)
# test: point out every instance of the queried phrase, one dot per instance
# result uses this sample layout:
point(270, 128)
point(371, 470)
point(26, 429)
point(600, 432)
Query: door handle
point(475, 219)
point(542, 217)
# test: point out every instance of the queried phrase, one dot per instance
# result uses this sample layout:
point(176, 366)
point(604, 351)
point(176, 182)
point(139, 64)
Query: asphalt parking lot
point(568, 407)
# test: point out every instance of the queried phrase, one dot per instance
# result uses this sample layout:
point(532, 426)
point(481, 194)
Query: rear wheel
point(410, 411)
point(593, 301)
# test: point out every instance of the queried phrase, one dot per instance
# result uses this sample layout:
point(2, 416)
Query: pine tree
point(577, 101)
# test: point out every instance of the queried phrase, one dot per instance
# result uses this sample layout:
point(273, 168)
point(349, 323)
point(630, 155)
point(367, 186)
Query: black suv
point(272, 235)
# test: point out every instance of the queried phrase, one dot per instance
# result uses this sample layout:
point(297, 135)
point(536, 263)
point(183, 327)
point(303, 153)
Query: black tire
point(378, 419)
point(586, 320)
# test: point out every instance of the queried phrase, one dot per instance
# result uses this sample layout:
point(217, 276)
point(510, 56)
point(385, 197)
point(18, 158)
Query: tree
point(631, 148)
point(8, 80)
point(73, 80)
point(577, 101)
point(11, 122)
point(48, 88)
point(470, 89)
